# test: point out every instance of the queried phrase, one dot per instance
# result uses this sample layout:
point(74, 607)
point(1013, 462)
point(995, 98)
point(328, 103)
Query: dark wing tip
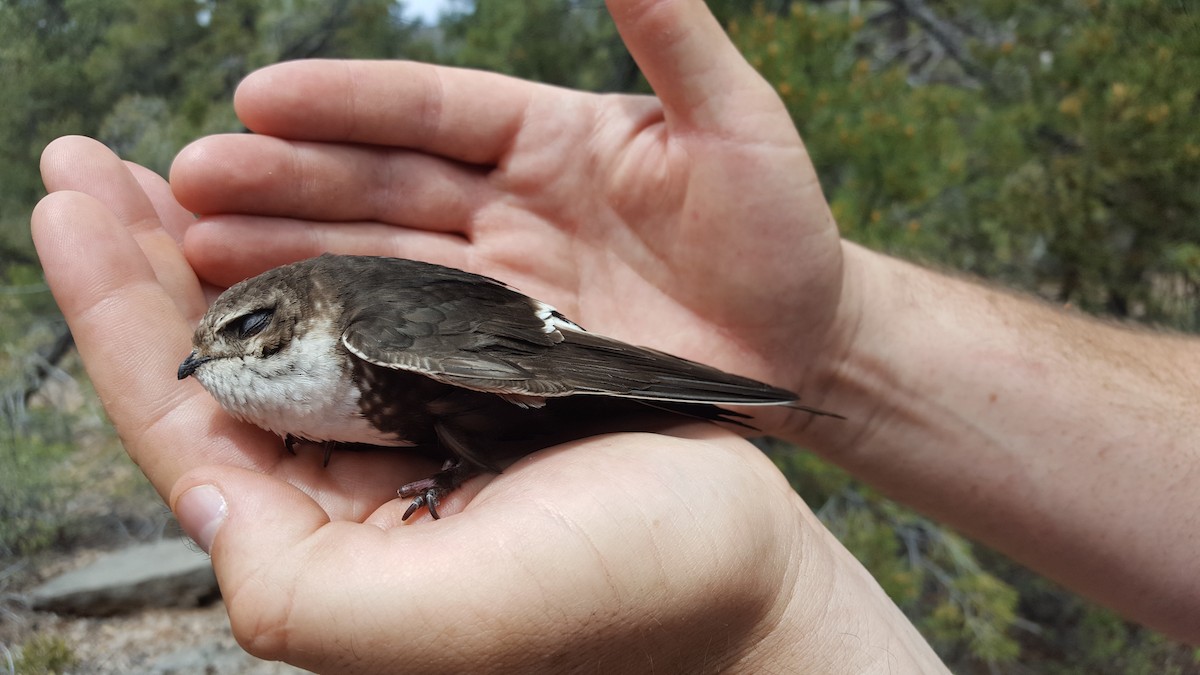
point(815, 411)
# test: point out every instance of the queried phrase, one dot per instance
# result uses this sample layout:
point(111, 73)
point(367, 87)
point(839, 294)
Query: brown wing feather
point(474, 332)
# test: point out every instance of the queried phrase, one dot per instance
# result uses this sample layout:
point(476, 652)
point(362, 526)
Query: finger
point(226, 249)
point(131, 335)
point(285, 570)
point(465, 115)
point(325, 182)
point(132, 338)
point(85, 165)
point(255, 527)
point(175, 221)
point(173, 218)
point(697, 72)
point(324, 594)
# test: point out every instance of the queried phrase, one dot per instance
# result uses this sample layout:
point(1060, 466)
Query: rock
point(168, 573)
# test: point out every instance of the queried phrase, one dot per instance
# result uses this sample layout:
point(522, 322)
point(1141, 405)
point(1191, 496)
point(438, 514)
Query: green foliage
point(1061, 154)
point(1064, 158)
point(145, 77)
point(1072, 170)
point(33, 443)
point(33, 498)
point(882, 148)
point(975, 607)
point(564, 42)
point(1087, 639)
point(966, 612)
point(1103, 642)
point(46, 655)
point(1111, 154)
point(148, 76)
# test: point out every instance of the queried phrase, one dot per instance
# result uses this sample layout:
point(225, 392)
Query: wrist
point(836, 372)
point(833, 617)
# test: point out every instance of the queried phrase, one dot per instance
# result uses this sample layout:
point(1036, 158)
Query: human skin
point(691, 222)
point(681, 552)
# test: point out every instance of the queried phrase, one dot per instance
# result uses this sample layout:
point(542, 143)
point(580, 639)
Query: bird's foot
point(428, 492)
point(430, 497)
point(290, 441)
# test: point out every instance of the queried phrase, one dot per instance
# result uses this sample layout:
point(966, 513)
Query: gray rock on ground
point(168, 573)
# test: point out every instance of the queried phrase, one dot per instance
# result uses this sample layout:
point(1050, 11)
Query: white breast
point(302, 390)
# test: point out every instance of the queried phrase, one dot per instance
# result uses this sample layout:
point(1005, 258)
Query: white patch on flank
point(302, 390)
point(553, 321)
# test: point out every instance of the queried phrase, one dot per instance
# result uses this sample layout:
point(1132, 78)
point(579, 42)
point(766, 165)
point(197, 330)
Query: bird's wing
point(455, 327)
point(473, 332)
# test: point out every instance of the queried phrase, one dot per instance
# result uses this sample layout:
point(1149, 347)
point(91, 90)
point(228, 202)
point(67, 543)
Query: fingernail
point(200, 511)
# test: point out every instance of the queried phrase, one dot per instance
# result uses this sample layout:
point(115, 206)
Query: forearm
point(1067, 443)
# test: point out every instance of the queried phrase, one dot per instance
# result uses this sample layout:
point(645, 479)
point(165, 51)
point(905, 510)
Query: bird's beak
point(191, 363)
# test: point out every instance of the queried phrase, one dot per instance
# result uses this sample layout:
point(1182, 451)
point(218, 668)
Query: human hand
point(692, 222)
point(628, 552)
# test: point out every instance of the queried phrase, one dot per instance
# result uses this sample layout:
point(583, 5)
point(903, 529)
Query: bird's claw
point(428, 492)
point(428, 496)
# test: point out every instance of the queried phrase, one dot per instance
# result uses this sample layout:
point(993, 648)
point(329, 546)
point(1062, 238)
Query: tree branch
point(48, 361)
point(947, 35)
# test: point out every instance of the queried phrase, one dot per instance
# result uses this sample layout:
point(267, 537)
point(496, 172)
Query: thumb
point(704, 83)
point(323, 594)
point(256, 528)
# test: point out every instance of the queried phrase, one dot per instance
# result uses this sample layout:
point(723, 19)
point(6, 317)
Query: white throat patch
point(302, 390)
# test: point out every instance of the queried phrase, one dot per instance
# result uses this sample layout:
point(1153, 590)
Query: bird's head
point(246, 328)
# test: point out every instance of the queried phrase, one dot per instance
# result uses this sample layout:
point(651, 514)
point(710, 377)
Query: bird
point(369, 351)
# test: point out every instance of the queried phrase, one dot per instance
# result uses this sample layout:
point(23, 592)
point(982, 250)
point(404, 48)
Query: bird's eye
point(249, 325)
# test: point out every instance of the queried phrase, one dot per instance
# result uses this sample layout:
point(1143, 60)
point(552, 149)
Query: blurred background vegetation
point(1053, 147)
